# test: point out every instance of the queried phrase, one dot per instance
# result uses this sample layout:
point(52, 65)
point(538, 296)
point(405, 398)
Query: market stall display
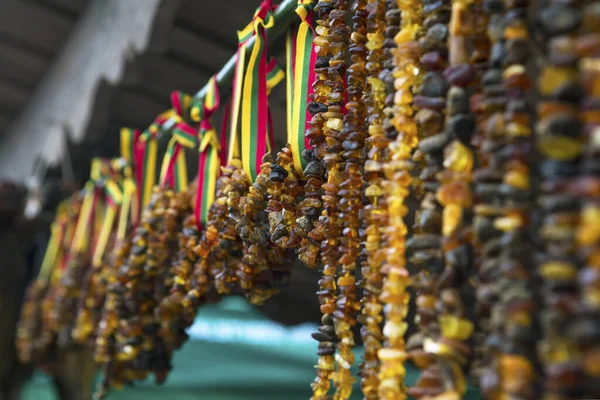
point(427, 100)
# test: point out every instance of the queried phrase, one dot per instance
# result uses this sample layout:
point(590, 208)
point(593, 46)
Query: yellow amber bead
point(558, 270)
point(402, 97)
point(375, 40)
point(554, 77)
point(591, 362)
point(516, 129)
point(560, 148)
point(394, 330)
point(376, 84)
point(373, 191)
point(454, 327)
point(451, 219)
point(518, 179)
point(453, 395)
point(321, 30)
point(588, 232)
point(433, 347)
point(458, 157)
point(407, 34)
point(508, 223)
point(335, 123)
point(393, 355)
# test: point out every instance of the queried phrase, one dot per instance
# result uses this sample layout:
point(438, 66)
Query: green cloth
point(234, 352)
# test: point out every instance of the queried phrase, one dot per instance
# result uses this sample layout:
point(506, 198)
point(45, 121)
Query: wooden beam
point(68, 7)
point(161, 76)
point(12, 95)
point(198, 49)
point(17, 63)
point(219, 21)
point(5, 120)
point(109, 33)
point(34, 24)
point(131, 105)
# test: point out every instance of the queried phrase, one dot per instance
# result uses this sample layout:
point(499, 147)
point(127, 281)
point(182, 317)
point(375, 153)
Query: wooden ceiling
point(32, 33)
point(196, 42)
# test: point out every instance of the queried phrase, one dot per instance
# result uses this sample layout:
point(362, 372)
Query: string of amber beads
point(326, 87)
point(285, 221)
point(29, 325)
point(92, 298)
point(105, 346)
point(345, 146)
point(502, 231)
point(218, 239)
point(310, 207)
point(425, 246)
point(67, 297)
point(402, 128)
point(450, 347)
point(170, 311)
point(559, 140)
point(584, 332)
point(252, 227)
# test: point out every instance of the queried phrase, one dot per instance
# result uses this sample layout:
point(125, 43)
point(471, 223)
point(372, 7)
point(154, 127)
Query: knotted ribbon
point(255, 113)
point(174, 168)
point(131, 154)
point(208, 160)
point(113, 200)
point(87, 219)
point(300, 59)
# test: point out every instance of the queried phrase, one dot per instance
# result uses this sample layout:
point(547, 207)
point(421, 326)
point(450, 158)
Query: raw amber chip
point(591, 362)
point(451, 395)
point(516, 30)
point(403, 96)
point(588, 231)
point(373, 191)
point(407, 33)
point(451, 219)
point(375, 40)
point(458, 157)
point(394, 330)
point(517, 178)
point(516, 366)
point(516, 129)
point(558, 270)
point(454, 327)
point(335, 123)
point(561, 148)
point(509, 222)
point(454, 192)
point(394, 355)
point(438, 348)
point(554, 77)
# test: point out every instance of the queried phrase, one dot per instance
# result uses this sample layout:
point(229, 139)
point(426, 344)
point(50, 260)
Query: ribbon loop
point(255, 112)
point(300, 58)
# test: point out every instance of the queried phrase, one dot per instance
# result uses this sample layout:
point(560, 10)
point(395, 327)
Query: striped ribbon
point(130, 153)
point(86, 219)
point(54, 250)
point(149, 156)
point(225, 132)
point(209, 160)
point(300, 59)
point(238, 80)
point(174, 167)
point(113, 199)
point(255, 113)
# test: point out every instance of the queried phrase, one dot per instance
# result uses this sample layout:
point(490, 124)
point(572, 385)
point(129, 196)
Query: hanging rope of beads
point(388, 101)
